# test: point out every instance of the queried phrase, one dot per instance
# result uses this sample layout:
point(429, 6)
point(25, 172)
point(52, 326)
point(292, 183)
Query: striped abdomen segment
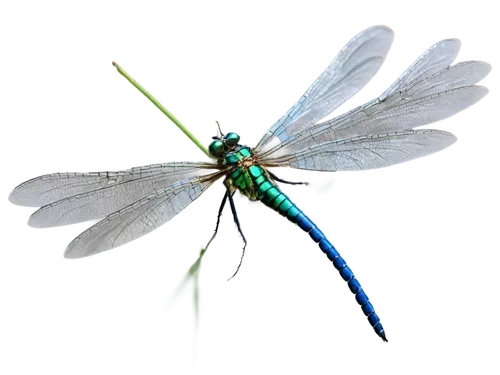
point(272, 197)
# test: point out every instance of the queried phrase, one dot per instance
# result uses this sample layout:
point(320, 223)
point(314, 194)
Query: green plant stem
point(162, 108)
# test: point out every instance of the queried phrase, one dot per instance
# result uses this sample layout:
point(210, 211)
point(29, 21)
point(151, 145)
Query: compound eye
point(232, 139)
point(216, 147)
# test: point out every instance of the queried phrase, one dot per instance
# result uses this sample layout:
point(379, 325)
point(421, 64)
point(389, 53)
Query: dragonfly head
point(216, 148)
point(233, 138)
point(223, 144)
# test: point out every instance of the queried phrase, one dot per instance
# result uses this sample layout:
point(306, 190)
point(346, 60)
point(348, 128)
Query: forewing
point(434, 99)
point(437, 57)
point(350, 71)
point(74, 197)
point(368, 123)
point(139, 218)
point(420, 101)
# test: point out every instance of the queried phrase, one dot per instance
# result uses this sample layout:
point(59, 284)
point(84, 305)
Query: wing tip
point(487, 65)
point(383, 28)
point(482, 91)
point(16, 197)
point(453, 42)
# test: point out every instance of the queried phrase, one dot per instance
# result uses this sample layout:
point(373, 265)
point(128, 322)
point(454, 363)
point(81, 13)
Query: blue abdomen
point(273, 197)
point(345, 270)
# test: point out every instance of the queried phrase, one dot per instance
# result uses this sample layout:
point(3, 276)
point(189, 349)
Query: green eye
point(216, 147)
point(232, 138)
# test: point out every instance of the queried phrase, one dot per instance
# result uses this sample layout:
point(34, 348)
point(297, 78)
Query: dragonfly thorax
point(244, 174)
point(240, 156)
point(239, 159)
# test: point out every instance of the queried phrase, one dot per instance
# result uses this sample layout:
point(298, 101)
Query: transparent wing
point(407, 115)
point(368, 151)
point(350, 71)
point(437, 57)
point(434, 98)
point(139, 218)
point(73, 197)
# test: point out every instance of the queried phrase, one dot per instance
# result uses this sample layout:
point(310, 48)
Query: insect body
point(397, 127)
point(253, 181)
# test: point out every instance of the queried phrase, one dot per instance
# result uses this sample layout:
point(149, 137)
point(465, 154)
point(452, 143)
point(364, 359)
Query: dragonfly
point(380, 133)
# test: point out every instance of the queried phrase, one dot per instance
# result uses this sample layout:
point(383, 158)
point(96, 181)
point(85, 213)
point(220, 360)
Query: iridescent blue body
point(253, 181)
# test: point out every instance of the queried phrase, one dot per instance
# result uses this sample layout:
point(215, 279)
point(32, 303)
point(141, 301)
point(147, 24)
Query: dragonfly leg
point(194, 278)
point(284, 181)
point(185, 284)
point(220, 215)
point(321, 185)
point(243, 237)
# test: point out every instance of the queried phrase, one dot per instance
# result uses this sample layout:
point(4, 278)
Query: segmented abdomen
point(272, 197)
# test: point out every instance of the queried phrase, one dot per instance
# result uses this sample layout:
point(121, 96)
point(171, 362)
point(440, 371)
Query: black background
point(408, 232)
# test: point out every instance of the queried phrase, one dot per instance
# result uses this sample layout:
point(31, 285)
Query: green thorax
point(253, 181)
point(246, 175)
